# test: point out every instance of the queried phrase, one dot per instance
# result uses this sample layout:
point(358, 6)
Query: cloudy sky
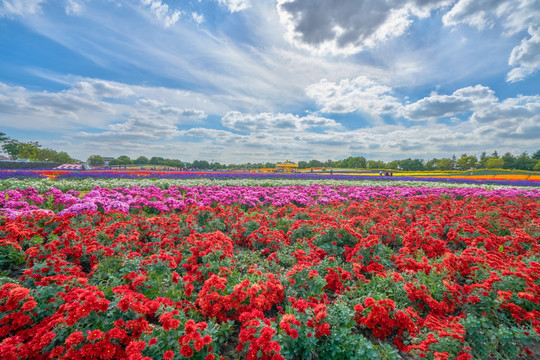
point(267, 80)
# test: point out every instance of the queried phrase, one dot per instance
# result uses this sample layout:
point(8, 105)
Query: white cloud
point(525, 58)
point(74, 7)
point(198, 18)
point(349, 26)
point(20, 7)
point(98, 104)
point(269, 122)
point(235, 5)
point(349, 95)
point(461, 101)
point(162, 12)
point(477, 13)
point(515, 16)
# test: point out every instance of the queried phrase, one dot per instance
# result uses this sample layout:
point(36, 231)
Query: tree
point(537, 166)
point(155, 160)
point(536, 155)
point(376, 164)
point(411, 165)
point(95, 160)
point(509, 161)
point(394, 165)
point(21, 150)
point(482, 161)
point(303, 164)
point(524, 162)
point(431, 164)
point(466, 162)
point(62, 157)
point(445, 164)
point(141, 160)
point(123, 160)
point(315, 163)
point(494, 163)
point(202, 164)
point(354, 162)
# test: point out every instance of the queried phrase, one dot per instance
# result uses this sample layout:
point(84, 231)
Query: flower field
point(133, 270)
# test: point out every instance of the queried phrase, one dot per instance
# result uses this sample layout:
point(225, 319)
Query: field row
point(434, 273)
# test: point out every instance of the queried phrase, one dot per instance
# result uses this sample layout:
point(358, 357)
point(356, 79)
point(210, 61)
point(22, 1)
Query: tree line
point(464, 162)
point(33, 151)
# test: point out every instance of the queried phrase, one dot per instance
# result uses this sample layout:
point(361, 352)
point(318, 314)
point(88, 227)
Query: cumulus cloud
point(477, 13)
point(349, 95)
point(98, 104)
point(348, 26)
point(525, 58)
point(235, 5)
point(162, 12)
point(515, 16)
point(20, 7)
point(461, 101)
point(193, 114)
point(198, 18)
point(74, 7)
point(265, 122)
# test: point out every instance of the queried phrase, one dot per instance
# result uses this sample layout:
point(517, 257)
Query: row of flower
point(364, 274)
point(517, 180)
point(155, 200)
point(84, 185)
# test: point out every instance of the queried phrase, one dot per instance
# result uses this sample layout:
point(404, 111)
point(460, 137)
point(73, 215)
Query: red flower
point(186, 350)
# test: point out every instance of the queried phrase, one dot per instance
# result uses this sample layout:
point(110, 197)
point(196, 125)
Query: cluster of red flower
point(432, 276)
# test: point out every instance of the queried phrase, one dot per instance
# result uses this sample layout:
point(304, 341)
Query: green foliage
point(10, 257)
point(95, 160)
point(494, 163)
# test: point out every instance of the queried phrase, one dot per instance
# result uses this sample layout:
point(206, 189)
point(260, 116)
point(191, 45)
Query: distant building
point(107, 159)
point(3, 158)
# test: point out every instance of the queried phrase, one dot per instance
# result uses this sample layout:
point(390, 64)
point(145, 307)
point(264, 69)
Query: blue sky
point(240, 81)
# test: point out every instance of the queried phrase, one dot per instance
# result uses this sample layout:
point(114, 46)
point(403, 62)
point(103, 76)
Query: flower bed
point(272, 273)
point(172, 175)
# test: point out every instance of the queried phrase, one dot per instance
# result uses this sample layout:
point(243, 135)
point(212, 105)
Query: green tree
point(509, 161)
point(21, 150)
point(315, 163)
point(203, 164)
point(536, 155)
point(141, 160)
point(156, 160)
point(62, 157)
point(394, 165)
point(537, 166)
point(431, 164)
point(376, 164)
point(445, 164)
point(524, 162)
point(124, 160)
point(482, 161)
point(95, 160)
point(466, 162)
point(411, 165)
point(303, 164)
point(494, 163)
point(4, 137)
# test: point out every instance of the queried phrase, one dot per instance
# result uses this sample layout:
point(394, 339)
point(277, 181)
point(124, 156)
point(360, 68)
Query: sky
point(236, 81)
